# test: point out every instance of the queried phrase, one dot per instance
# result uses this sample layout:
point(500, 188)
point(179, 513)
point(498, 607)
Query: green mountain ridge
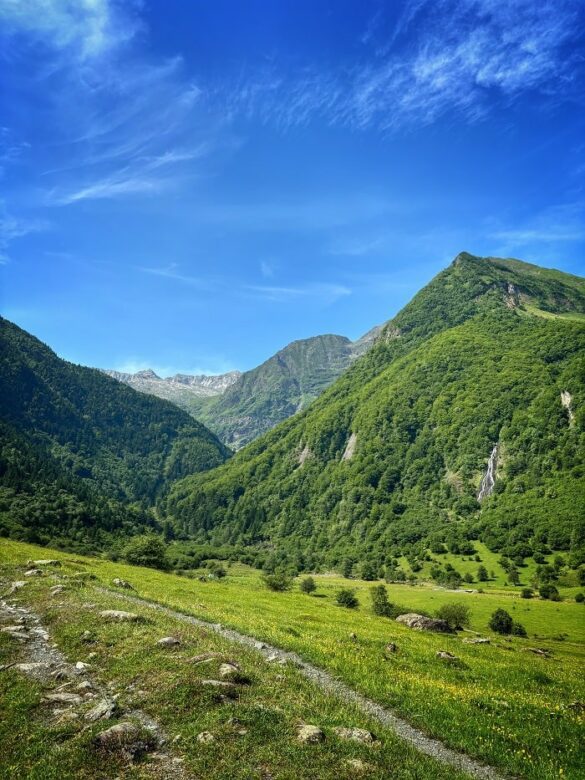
point(389, 459)
point(82, 455)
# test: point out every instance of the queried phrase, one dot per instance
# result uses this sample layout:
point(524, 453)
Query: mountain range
point(239, 407)
point(483, 369)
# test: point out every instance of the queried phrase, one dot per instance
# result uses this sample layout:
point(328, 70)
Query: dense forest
point(389, 460)
point(82, 456)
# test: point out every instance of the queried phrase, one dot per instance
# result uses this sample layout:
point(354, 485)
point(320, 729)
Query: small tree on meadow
point(277, 582)
point(148, 550)
point(457, 615)
point(501, 622)
point(307, 585)
point(380, 604)
point(346, 598)
point(482, 574)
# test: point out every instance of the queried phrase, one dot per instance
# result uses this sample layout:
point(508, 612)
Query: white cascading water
point(489, 478)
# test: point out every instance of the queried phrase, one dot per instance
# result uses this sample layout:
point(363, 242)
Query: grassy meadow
point(500, 702)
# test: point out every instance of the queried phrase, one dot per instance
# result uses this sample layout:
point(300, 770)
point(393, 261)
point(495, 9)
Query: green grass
point(502, 703)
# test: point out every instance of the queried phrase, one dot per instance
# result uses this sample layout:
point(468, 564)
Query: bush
point(549, 592)
point(217, 570)
point(482, 574)
point(307, 585)
point(277, 582)
point(526, 593)
point(455, 614)
point(501, 622)
point(579, 598)
point(148, 551)
point(380, 604)
point(369, 571)
point(518, 629)
point(346, 598)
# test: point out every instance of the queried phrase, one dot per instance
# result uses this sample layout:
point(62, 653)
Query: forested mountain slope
point(283, 385)
point(390, 458)
point(82, 455)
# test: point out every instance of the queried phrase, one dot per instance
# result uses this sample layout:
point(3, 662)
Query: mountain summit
point(487, 358)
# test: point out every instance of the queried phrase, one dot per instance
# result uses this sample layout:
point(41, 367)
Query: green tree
point(346, 598)
point(456, 614)
point(380, 604)
point(147, 550)
point(307, 585)
point(501, 622)
point(278, 581)
point(482, 574)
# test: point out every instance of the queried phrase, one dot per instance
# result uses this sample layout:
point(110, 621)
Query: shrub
point(277, 582)
point(468, 578)
point(549, 592)
point(482, 574)
point(380, 604)
point(369, 571)
point(501, 622)
point(346, 598)
point(148, 550)
point(455, 614)
point(217, 570)
point(518, 629)
point(307, 585)
point(580, 598)
point(526, 593)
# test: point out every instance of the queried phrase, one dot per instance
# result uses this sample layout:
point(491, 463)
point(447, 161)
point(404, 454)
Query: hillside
point(81, 455)
point(390, 458)
point(239, 407)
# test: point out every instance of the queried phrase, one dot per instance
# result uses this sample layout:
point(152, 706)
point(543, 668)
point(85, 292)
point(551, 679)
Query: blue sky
point(189, 186)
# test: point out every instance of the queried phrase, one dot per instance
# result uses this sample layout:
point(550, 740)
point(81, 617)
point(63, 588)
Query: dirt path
point(326, 681)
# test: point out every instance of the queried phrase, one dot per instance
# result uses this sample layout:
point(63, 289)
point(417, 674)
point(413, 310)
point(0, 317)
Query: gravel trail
point(427, 745)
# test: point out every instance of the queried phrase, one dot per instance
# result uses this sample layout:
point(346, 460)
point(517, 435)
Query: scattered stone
point(357, 766)
point(92, 656)
point(203, 658)
point(57, 589)
point(310, 734)
point(168, 641)
point(40, 632)
point(259, 645)
point(81, 666)
point(33, 573)
point(423, 623)
point(355, 735)
point(17, 585)
point(205, 737)
point(85, 686)
point(63, 698)
point(225, 686)
point(19, 634)
point(87, 636)
point(44, 562)
point(390, 648)
point(103, 710)
point(540, 651)
point(445, 656)
point(119, 583)
point(119, 615)
point(125, 738)
point(12, 629)
point(36, 666)
point(353, 636)
point(477, 641)
point(229, 672)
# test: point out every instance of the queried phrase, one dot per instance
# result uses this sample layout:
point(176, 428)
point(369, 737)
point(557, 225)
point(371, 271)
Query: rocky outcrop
point(424, 623)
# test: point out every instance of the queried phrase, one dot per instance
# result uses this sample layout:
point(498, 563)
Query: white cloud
point(462, 57)
point(12, 228)
point(87, 28)
point(556, 225)
point(326, 293)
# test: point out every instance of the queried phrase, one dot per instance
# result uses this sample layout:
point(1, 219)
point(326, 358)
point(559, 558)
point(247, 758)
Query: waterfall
point(489, 478)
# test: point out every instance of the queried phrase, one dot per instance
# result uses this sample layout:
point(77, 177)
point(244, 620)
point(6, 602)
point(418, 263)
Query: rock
point(57, 589)
point(354, 734)
point(36, 666)
point(229, 672)
point(11, 629)
point(168, 641)
point(477, 641)
point(85, 686)
point(390, 648)
point(445, 656)
point(63, 698)
point(92, 656)
point(17, 585)
point(310, 734)
point(119, 615)
point(87, 636)
point(126, 738)
point(539, 651)
point(353, 636)
point(356, 766)
point(423, 623)
point(44, 562)
point(205, 737)
point(40, 632)
point(103, 710)
point(20, 635)
point(33, 573)
point(119, 583)
point(81, 667)
point(259, 645)
point(226, 686)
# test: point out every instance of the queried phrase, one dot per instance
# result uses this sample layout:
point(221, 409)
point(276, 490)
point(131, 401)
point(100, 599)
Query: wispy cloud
point(326, 293)
point(173, 271)
point(556, 225)
point(464, 57)
point(12, 228)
